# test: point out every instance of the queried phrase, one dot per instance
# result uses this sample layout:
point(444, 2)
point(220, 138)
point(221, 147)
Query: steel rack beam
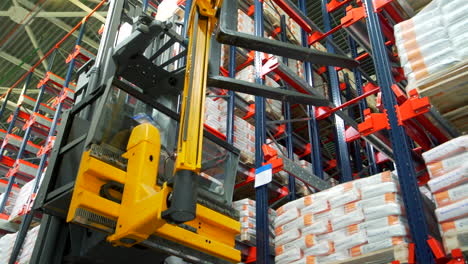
point(261, 192)
point(296, 12)
point(23, 170)
point(5, 102)
point(81, 56)
point(288, 130)
point(312, 124)
point(26, 100)
point(23, 145)
point(362, 105)
point(227, 34)
point(400, 141)
point(43, 162)
point(301, 85)
point(22, 119)
point(303, 175)
point(265, 91)
point(342, 151)
point(54, 84)
point(16, 141)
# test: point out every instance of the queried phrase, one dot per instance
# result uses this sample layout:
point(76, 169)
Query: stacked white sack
point(23, 200)
point(247, 218)
point(6, 247)
point(448, 169)
point(428, 42)
point(10, 201)
point(28, 246)
point(455, 21)
point(344, 221)
point(244, 133)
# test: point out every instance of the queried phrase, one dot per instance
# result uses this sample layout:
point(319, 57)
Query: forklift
point(133, 175)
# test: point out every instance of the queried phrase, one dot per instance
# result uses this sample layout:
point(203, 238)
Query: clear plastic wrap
point(375, 246)
point(379, 189)
point(439, 168)
point(429, 42)
point(451, 212)
point(289, 256)
point(348, 219)
point(302, 221)
point(455, 225)
point(317, 228)
point(322, 248)
point(451, 179)
point(446, 150)
point(451, 196)
point(344, 198)
point(287, 237)
point(286, 217)
point(347, 242)
point(380, 211)
point(378, 234)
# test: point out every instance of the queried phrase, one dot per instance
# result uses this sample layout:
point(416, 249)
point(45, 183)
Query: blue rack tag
point(263, 175)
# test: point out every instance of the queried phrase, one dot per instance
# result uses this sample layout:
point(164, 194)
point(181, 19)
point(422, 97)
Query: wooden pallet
point(455, 239)
point(398, 252)
point(448, 92)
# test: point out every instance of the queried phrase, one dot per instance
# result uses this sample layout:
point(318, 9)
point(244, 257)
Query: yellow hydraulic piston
point(201, 25)
point(189, 148)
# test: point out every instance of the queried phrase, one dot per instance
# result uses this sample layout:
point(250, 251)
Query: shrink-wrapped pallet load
point(448, 169)
point(345, 221)
point(433, 40)
point(247, 214)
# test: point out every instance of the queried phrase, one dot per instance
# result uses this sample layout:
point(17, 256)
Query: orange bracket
point(322, 112)
point(351, 134)
point(223, 71)
point(411, 253)
point(436, 247)
point(250, 113)
point(457, 257)
point(321, 70)
point(306, 151)
point(271, 156)
point(400, 95)
point(379, 4)
point(47, 148)
point(342, 86)
point(381, 158)
point(369, 87)
point(280, 130)
point(251, 10)
point(412, 107)
point(373, 122)
point(252, 255)
point(353, 15)
point(336, 4)
point(275, 32)
point(269, 152)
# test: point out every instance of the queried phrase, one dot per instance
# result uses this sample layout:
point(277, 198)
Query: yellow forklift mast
point(132, 199)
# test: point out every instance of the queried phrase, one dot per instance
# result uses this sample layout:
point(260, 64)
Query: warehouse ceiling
point(30, 28)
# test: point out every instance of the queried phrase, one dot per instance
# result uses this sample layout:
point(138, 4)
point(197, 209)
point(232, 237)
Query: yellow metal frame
point(201, 25)
point(139, 214)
